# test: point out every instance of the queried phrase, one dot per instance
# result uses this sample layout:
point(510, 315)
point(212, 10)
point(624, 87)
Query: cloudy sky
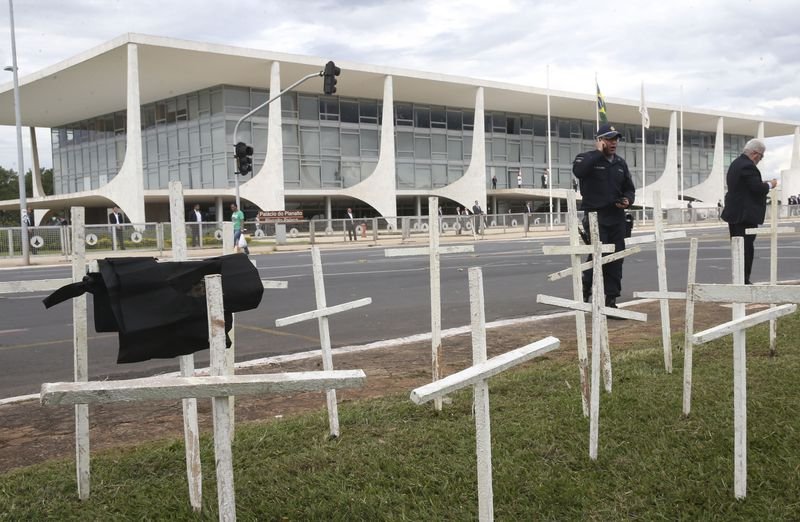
point(732, 55)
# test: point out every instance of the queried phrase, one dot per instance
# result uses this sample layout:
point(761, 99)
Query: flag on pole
point(601, 105)
point(643, 110)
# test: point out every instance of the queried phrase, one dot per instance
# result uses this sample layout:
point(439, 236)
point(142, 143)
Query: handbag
point(159, 309)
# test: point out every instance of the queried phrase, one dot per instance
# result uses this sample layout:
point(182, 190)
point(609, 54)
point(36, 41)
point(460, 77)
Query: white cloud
point(732, 55)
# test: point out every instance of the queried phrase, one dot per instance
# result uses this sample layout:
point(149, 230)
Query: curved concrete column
point(713, 188)
point(790, 178)
point(127, 187)
point(266, 189)
point(760, 131)
point(667, 183)
point(36, 172)
point(379, 189)
point(472, 185)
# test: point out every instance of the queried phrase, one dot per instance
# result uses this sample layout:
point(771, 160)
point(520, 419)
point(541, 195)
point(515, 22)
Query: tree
point(9, 189)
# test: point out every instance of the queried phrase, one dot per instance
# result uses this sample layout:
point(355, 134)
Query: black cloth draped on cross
point(159, 309)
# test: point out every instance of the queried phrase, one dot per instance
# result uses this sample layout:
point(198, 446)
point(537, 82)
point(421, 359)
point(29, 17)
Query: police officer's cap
point(608, 132)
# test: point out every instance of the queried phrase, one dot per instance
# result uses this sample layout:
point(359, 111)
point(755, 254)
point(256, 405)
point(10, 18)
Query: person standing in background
point(746, 199)
point(195, 221)
point(117, 218)
point(350, 222)
point(237, 218)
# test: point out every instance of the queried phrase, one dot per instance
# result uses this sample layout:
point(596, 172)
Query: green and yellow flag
point(601, 106)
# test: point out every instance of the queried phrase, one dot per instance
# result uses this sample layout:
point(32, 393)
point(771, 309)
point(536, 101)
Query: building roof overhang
point(94, 83)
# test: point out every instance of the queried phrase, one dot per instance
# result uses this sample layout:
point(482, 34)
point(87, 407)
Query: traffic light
point(330, 73)
point(244, 158)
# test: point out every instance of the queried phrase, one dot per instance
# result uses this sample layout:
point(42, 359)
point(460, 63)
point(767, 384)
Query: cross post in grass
point(191, 430)
point(477, 376)
point(599, 325)
point(321, 314)
point(79, 340)
point(663, 295)
point(740, 294)
point(433, 251)
point(218, 386)
point(773, 230)
point(688, 324)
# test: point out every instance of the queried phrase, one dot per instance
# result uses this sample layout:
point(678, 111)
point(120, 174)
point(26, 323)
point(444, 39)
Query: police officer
point(606, 188)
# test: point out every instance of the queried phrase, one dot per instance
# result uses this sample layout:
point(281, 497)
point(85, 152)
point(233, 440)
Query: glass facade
point(334, 142)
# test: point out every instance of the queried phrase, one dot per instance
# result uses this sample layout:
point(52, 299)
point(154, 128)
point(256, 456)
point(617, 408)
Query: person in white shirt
point(117, 218)
point(195, 221)
point(350, 222)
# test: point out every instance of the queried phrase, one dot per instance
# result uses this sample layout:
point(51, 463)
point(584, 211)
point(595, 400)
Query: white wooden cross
point(79, 340)
point(573, 222)
point(773, 232)
point(599, 326)
point(321, 314)
point(688, 346)
point(663, 294)
point(576, 270)
point(739, 294)
point(477, 376)
point(433, 251)
point(187, 368)
point(218, 386)
point(191, 431)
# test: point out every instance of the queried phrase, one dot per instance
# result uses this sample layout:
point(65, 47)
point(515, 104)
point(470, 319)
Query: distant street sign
point(91, 239)
point(37, 241)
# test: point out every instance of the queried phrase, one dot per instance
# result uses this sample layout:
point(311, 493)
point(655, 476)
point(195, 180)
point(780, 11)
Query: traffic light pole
point(26, 259)
point(236, 127)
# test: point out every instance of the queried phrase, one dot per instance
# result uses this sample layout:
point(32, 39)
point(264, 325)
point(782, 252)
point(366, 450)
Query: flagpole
point(681, 157)
point(549, 158)
point(596, 107)
point(644, 165)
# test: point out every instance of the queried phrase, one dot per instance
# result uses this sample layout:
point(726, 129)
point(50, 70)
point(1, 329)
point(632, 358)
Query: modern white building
point(136, 112)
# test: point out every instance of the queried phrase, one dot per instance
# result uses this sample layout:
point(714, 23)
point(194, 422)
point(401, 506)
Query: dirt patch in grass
point(30, 434)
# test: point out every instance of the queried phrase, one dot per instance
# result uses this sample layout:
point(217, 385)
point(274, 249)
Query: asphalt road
point(36, 344)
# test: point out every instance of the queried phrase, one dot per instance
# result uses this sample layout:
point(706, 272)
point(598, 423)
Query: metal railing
point(157, 237)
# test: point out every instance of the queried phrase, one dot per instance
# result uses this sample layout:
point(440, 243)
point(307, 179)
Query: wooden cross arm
point(743, 322)
point(766, 294)
point(424, 251)
point(274, 284)
point(768, 230)
point(660, 295)
point(322, 312)
point(156, 388)
point(651, 238)
point(42, 285)
point(481, 372)
point(555, 276)
point(555, 250)
point(587, 307)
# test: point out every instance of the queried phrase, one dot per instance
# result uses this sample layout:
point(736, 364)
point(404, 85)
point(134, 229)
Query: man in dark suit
point(195, 221)
point(478, 212)
point(746, 200)
point(350, 223)
point(117, 218)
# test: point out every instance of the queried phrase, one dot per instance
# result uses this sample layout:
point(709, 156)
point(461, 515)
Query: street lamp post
point(26, 259)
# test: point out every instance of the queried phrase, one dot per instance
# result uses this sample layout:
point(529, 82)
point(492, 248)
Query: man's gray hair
point(755, 145)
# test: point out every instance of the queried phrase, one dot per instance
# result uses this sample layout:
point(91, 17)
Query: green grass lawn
point(398, 461)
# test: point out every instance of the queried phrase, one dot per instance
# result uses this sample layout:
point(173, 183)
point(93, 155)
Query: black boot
point(611, 302)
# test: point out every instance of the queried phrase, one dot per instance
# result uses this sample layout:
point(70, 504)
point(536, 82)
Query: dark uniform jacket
point(746, 200)
point(603, 183)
